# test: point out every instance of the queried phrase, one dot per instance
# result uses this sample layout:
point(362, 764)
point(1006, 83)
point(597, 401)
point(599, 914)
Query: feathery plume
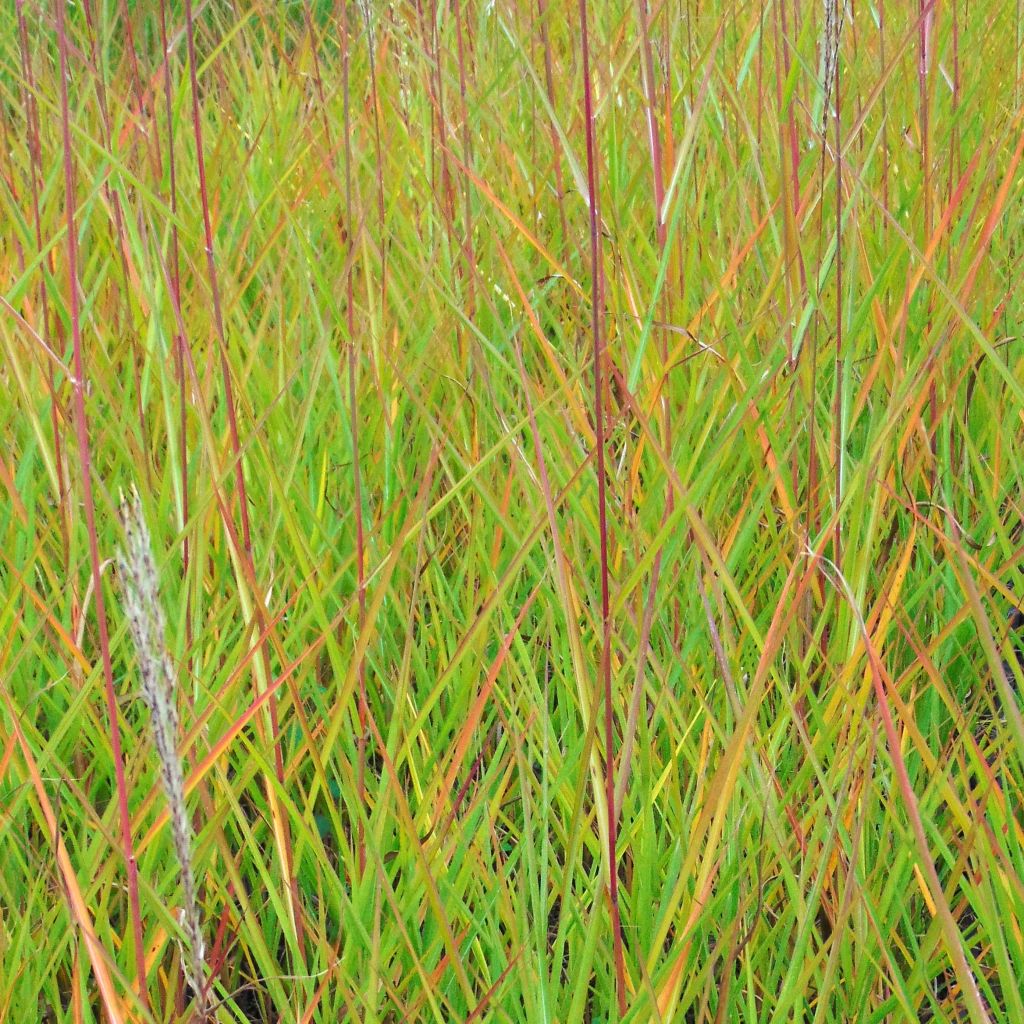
point(146, 623)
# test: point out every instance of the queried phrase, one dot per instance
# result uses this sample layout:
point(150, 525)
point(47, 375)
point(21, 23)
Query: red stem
point(236, 448)
point(596, 299)
point(36, 163)
point(357, 496)
point(82, 432)
point(113, 197)
point(837, 413)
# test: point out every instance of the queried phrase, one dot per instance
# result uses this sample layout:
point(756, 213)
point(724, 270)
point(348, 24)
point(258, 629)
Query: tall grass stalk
point(85, 464)
point(245, 555)
point(600, 385)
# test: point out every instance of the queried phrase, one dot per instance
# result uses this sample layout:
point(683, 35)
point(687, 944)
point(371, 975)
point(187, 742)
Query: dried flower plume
point(146, 623)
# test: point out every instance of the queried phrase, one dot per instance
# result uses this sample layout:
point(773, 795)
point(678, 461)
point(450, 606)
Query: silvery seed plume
point(146, 623)
point(830, 44)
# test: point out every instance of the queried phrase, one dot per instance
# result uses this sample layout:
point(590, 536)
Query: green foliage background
point(391, 698)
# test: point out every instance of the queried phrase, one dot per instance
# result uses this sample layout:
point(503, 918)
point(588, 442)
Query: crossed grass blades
point(584, 494)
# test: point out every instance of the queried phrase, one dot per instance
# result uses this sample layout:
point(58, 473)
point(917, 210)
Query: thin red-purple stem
point(241, 497)
point(378, 163)
point(85, 461)
point(357, 495)
point(885, 115)
point(955, 161)
point(596, 300)
point(924, 24)
point(926, 15)
point(441, 178)
point(760, 71)
point(349, 233)
point(35, 152)
point(467, 159)
point(781, 64)
point(661, 234)
point(113, 196)
point(837, 411)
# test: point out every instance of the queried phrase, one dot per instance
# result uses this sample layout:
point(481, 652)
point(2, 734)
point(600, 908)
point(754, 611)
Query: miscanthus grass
point(158, 686)
point(582, 444)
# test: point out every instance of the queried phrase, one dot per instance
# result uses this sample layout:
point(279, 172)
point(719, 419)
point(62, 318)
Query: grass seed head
point(140, 587)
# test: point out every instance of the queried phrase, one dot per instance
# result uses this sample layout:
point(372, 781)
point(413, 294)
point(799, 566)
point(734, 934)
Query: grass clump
point(583, 447)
